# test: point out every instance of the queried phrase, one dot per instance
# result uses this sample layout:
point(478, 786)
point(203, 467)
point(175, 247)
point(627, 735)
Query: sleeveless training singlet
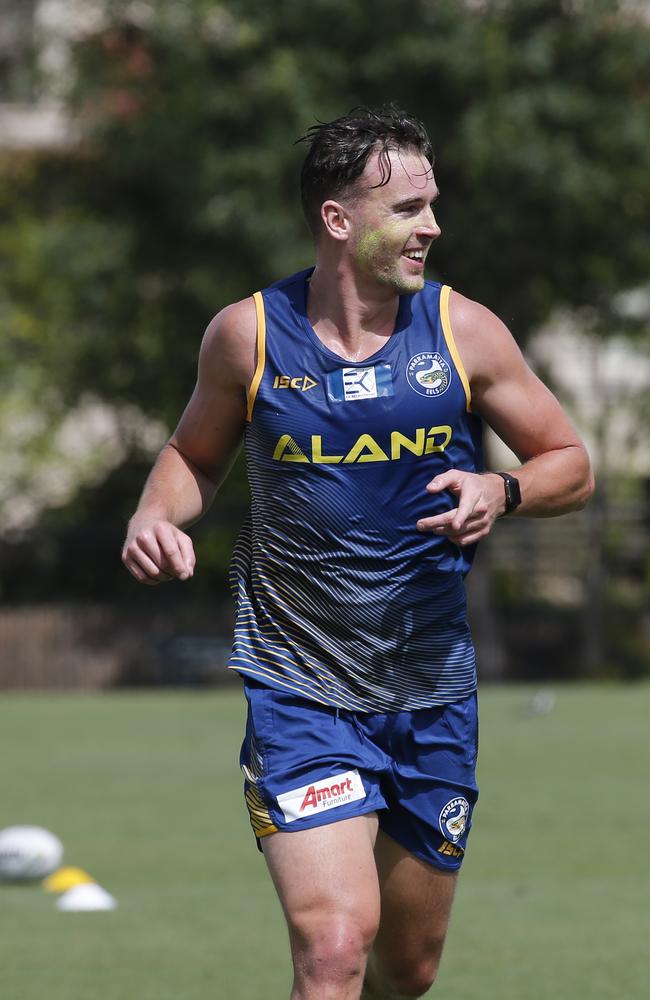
point(339, 598)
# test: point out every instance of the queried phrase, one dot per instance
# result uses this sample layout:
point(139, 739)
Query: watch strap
point(512, 491)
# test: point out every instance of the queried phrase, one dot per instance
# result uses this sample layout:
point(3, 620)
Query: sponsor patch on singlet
point(371, 382)
point(328, 793)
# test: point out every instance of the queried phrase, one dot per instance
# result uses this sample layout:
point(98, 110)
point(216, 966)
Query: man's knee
point(413, 980)
point(328, 948)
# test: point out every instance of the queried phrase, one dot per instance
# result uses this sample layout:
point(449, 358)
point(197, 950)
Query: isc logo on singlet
point(302, 382)
point(365, 448)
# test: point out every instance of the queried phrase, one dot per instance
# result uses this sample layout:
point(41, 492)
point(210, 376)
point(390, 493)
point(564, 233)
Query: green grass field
point(144, 790)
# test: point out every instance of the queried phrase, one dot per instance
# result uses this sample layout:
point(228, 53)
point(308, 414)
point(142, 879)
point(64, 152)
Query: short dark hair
point(339, 150)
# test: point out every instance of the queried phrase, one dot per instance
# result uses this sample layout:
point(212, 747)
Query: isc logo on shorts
point(321, 795)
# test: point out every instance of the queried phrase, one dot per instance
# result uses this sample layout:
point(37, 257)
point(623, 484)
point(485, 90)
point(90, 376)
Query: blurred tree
point(183, 194)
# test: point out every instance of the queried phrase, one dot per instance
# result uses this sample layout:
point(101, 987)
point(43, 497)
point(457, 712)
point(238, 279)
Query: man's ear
point(335, 219)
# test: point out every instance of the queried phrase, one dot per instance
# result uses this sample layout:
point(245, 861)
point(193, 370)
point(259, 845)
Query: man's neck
point(352, 316)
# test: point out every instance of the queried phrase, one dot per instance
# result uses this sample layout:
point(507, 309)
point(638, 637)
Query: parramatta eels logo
point(453, 819)
point(429, 374)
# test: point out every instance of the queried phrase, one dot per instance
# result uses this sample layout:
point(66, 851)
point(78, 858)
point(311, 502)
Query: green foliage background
point(182, 196)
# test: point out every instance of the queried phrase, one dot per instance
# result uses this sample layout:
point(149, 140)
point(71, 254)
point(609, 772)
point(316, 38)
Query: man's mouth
point(416, 256)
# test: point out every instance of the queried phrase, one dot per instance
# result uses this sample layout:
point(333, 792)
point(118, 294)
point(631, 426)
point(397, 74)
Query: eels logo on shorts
point(453, 819)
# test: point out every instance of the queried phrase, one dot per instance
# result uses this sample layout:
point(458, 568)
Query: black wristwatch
point(513, 493)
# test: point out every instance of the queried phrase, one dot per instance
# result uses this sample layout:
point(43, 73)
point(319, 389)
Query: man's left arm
point(555, 476)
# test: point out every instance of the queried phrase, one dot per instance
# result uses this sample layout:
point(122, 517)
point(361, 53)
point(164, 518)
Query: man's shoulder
point(236, 324)
point(235, 320)
point(229, 340)
point(470, 318)
point(486, 345)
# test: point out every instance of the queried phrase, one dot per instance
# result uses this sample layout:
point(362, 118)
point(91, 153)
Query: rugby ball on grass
point(28, 852)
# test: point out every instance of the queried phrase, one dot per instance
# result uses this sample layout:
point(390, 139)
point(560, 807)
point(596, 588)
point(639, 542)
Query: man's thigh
point(416, 900)
point(326, 876)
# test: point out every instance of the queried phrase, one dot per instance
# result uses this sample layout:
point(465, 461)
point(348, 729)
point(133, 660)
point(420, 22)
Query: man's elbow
point(586, 487)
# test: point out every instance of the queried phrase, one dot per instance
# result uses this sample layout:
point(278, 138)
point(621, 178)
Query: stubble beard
point(392, 276)
point(387, 270)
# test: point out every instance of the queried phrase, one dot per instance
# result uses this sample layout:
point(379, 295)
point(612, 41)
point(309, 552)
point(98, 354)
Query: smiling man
point(360, 390)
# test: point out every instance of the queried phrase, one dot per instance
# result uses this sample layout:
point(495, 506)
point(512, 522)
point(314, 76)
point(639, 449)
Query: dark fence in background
point(565, 598)
point(106, 646)
point(553, 599)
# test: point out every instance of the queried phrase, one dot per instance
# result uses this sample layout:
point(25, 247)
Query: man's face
point(393, 226)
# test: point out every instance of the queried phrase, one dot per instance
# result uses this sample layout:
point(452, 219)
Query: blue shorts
point(308, 764)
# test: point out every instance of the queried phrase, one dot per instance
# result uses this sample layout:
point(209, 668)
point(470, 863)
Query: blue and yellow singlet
point(339, 598)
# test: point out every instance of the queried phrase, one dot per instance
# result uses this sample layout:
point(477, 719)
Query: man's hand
point(158, 551)
point(481, 498)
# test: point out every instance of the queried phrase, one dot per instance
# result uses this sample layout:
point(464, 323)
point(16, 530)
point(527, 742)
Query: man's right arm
point(197, 458)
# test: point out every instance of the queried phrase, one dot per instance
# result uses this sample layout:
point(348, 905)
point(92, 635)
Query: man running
point(360, 390)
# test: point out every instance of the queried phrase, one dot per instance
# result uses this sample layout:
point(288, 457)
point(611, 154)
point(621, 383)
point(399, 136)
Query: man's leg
point(416, 902)
point(326, 879)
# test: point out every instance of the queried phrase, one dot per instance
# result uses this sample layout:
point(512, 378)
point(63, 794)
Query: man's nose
point(429, 227)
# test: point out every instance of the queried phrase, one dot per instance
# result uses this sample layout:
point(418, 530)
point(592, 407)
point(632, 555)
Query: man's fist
point(158, 551)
